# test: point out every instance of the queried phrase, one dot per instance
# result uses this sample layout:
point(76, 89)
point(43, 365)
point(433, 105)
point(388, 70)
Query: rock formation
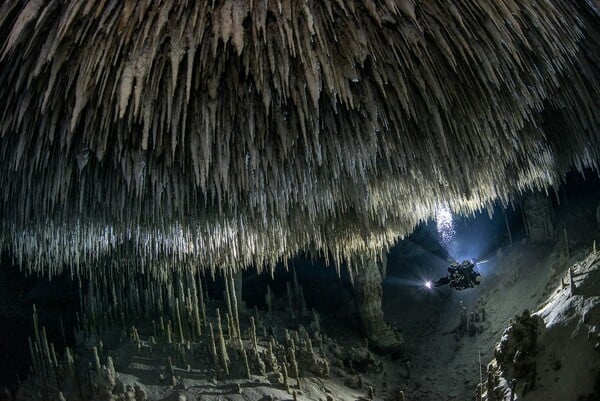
point(368, 293)
point(539, 217)
point(551, 354)
point(230, 133)
point(515, 354)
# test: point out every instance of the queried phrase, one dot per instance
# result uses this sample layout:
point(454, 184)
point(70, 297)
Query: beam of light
point(422, 285)
point(445, 224)
point(397, 281)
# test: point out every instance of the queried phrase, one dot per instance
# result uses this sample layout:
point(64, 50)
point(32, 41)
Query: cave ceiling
point(212, 134)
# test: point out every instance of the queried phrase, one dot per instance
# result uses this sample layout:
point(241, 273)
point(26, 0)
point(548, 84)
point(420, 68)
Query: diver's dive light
point(428, 285)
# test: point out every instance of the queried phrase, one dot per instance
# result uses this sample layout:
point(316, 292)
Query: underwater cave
point(278, 200)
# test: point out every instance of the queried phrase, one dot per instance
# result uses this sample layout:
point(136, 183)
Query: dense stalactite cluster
point(224, 133)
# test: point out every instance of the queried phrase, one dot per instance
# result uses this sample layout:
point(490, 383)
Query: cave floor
point(439, 363)
point(445, 364)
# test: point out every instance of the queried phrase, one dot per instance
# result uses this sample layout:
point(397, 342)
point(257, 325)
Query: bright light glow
point(428, 284)
point(445, 224)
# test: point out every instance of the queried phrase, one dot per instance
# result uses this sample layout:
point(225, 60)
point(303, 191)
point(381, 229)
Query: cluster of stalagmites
point(513, 372)
point(233, 132)
point(175, 327)
point(470, 323)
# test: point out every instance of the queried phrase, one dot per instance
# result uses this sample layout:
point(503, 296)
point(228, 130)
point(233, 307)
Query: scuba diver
point(460, 276)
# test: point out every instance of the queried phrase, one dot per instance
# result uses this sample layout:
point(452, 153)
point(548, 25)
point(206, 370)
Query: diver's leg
point(442, 281)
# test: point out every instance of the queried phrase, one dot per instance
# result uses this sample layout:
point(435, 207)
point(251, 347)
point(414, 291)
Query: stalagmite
point(201, 298)
point(253, 333)
point(303, 307)
point(171, 369)
point(229, 315)
point(231, 332)
point(271, 357)
point(179, 326)
point(34, 360)
point(69, 362)
point(285, 377)
point(370, 393)
point(246, 365)
point(510, 240)
point(96, 359)
point(196, 311)
point(237, 282)
point(213, 346)
point(566, 244)
point(235, 305)
point(316, 321)
point(269, 300)
point(222, 347)
point(162, 325)
point(169, 333)
point(367, 293)
point(572, 285)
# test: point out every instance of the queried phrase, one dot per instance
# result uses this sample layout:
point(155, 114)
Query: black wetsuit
point(460, 276)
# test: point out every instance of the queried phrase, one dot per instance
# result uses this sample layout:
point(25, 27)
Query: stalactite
point(348, 133)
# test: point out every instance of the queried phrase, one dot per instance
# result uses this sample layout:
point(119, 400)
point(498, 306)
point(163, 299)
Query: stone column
point(367, 295)
point(237, 279)
point(539, 217)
